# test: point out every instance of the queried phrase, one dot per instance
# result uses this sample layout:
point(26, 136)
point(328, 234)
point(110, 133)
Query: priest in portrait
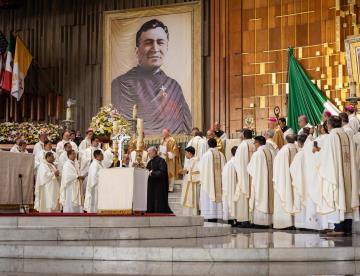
point(159, 98)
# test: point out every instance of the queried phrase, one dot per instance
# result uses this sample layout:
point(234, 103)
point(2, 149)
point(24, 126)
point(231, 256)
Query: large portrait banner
point(152, 58)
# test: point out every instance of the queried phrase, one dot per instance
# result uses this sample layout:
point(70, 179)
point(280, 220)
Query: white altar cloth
point(122, 189)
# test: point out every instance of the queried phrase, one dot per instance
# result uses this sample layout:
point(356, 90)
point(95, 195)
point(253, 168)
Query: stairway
point(175, 197)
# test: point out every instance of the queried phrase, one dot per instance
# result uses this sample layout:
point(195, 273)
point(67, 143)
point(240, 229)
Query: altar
point(122, 190)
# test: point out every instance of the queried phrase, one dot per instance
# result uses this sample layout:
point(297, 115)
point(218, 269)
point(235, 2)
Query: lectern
point(122, 190)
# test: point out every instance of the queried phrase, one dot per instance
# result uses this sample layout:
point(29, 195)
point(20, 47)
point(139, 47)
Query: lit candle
point(68, 113)
point(140, 131)
point(134, 112)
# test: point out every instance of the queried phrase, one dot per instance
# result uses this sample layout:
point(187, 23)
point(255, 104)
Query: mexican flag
point(305, 98)
point(22, 61)
point(6, 81)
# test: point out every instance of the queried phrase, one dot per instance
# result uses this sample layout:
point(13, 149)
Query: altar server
point(210, 167)
point(243, 155)
point(283, 185)
point(229, 184)
point(66, 139)
point(91, 195)
point(260, 168)
point(338, 178)
point(47, 187)
point(71, 186)
point(190, 195)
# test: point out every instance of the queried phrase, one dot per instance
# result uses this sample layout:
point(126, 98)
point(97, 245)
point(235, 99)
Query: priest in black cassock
point(158, 184)
point(159, 98)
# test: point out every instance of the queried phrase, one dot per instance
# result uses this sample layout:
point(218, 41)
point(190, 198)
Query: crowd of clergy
point(282, 179)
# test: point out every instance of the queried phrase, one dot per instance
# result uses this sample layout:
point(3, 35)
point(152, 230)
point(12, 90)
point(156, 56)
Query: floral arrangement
point(102, 123)
point(29, 131)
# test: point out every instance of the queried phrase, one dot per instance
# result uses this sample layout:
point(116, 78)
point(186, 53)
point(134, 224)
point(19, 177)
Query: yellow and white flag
point(22, 61)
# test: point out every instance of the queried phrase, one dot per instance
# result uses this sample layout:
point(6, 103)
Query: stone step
point(98, 221)
point(98, 233)
point(179, 254)
point(46, 267)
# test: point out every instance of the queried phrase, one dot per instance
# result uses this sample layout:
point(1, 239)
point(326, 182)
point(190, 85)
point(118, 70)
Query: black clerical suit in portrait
point(158, 187)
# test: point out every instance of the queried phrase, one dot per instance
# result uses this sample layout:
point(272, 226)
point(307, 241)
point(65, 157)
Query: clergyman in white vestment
point(283, 185)
point(47, 187)
point(229, 184)
point(91, 194)
point(40, 156)
point(199, 143)
point(260, 168)
point(353, 120)
point(243, 155)
point(210, 167)
point(190, 193)
point(338, 178)
point(70, 189)
point(39, 146)
point(86, 143)
point(63, 157)
point(66, 139)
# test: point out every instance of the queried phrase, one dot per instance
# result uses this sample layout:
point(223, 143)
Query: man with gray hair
point(270, 143)
point(158, 184)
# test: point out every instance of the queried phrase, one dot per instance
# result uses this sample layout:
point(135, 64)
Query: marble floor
point(12, 267)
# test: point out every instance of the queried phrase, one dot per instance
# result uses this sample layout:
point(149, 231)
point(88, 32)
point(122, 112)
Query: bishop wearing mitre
point(70, 188)
point(210, 167)
point(169, 150)
point(243, 155)
point(91, 194)
point(338, 178)
point(47, 186)
point(190, 194)
point(260, 168)
point(283, 185)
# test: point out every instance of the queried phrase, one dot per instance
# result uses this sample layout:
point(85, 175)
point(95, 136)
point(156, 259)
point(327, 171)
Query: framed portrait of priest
point(152, 58)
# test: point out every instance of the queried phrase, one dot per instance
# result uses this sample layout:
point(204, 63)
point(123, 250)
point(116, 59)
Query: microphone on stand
point(22, 207)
